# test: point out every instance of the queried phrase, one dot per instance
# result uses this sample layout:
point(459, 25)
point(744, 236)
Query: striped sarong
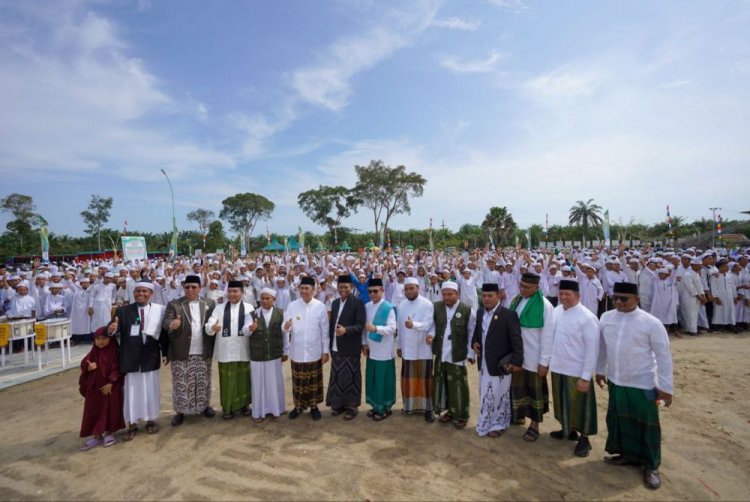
point(450, 390)
point(574, 410)
point(380, 384)
point(191, 385)
point(307, 384)
point(633, 428)
point(234, 386)
point(529, 396)
point(345, 383)
point(416, 385)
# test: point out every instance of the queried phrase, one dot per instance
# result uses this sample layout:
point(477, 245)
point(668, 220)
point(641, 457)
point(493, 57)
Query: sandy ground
point(706, 449)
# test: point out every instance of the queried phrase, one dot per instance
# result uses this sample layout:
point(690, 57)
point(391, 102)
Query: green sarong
point(633, 428)
point(380, 384)
point(234, 386)
point(450, 390)
point(574, 410)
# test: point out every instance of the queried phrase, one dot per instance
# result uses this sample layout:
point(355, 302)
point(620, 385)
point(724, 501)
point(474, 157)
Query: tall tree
point(23, 210)
point(215, 239)
point(244, 210)
point(386, 190)
point(327, 206)
point(499, 222)
point(96, 215)
point(585, 214)
point(203, 217)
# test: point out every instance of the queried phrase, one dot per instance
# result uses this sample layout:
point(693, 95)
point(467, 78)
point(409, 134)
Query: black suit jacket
point(353, 318)
point(503, 338)
point(135, 355)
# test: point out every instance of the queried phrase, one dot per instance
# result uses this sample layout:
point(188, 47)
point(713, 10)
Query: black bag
point(503, 365)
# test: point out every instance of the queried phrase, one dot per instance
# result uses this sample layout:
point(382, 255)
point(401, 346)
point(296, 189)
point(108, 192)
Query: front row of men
point(514, 348)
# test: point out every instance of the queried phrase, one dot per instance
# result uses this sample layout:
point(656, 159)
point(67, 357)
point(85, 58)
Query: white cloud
point(568, 80)
point(473, 65)
point(74, 99)
point(327, 82)
point(515, 6)
point(457, 23)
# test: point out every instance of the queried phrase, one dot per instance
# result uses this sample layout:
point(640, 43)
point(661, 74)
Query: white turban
point(268, 291)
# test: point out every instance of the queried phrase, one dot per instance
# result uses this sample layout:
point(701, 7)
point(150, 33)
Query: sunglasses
point(622, 299)
point(371, 291)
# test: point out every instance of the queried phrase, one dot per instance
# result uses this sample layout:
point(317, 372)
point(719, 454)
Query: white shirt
point(21, 306)
point(196, 328)
point(447, 349)
point(236, 346)
point(576, 342)
point(411, 342)
point(308, 337)
point(634, 350)
point(342, 302)
point(537, 342)
point(382, 350)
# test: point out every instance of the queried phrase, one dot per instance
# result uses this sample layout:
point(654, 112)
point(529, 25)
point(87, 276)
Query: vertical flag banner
point(528, 237)
point(718, 225)
point(44, 235)
point(669, 220)
point(243, 246)
point(173, 244)
point(605, 227)
point(125, 227)
point(382, 235)
point(432, 245)
point(268, 235)
point(301, 239)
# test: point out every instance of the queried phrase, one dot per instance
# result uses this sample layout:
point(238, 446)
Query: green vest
point(267, 342)
point(459, 331)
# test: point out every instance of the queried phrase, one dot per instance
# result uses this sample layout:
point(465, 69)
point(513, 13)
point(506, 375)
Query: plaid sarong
point(416, 385)
point(529, 396)
point(633, 428)
point(450, 390)
point(574, 410)
point(307, 384)
point(234, 386)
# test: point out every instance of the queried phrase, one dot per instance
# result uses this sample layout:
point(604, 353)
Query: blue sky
point(525, 104)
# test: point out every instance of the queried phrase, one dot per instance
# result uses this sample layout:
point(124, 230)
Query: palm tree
point(585, 214)
point(499, 222)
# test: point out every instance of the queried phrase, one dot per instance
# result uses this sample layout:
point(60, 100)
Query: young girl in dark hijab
point(101, 386)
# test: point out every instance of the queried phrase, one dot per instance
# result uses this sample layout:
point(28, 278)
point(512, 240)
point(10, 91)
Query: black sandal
point(132, 431)
point(379, 417)
point(530, 435)
point(151, 428)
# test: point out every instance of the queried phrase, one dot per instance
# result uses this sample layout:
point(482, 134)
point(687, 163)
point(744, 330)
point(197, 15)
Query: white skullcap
point(216, 281)
point(662, 271)
point(268, 291)
point(109, 275)
point(144, 284)
point(566, 268)
point(449, 285)
point(411, 280)
point(85, 279)
point(25, 284)
point(696, 261)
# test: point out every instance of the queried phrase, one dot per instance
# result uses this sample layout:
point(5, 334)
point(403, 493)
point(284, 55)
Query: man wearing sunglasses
point(636, 363)
point(190, 352)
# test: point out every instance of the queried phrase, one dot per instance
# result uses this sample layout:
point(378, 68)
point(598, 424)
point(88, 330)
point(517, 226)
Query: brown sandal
point(445, 418)
point(151, 428)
